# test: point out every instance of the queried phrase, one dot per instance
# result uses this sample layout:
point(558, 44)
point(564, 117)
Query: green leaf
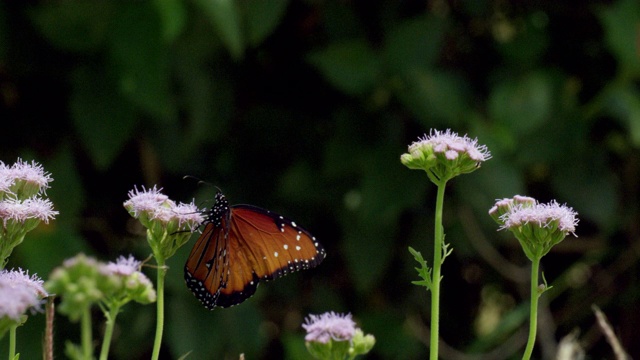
point(423, 271)
point(572, 181)
point(433, 95)
point(74, 25)
point(621, 22)
point(73, 351)
point(529, 44)
point(351, 66)
point(522, 104)
point(224, 15)
point(414, 44)
point(623, 102)
point(262, 17)
point(173, 15)
point(139, 56)
point(103, 119)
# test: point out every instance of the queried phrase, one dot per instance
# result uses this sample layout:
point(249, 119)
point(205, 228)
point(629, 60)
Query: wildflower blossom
point(5, 182)
point(537, 226)
point(28, 179)
point(19, 292)
point(144, 201)
point(22, 207)
point(335, 336)
point(445, 155)
point(123, 266)
point(126, 282)
point(322, 328)
point(23, 210)
point(168, 224)
point(505, 205)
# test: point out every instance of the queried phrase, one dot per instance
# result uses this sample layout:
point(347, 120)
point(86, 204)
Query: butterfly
point(242, 245)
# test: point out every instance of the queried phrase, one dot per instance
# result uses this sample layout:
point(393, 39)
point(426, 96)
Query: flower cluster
point(445, 155)
point(19, 292)
point(168, 224)
point(83, 281)
point(538, 227)
point(335, 336)
point(22, 203)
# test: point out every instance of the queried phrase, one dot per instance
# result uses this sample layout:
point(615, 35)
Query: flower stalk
point(108, 332)
point(436, 277)
point(443, 156)
point(159, 308)
point(86, 333)
point(169, 226)
point(538, 227)
point(533, 310)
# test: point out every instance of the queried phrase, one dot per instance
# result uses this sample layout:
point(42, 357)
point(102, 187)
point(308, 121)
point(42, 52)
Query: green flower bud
point(362, 343)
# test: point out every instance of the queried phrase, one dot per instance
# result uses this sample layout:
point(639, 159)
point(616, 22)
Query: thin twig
point(609, 334)
point(48, 334)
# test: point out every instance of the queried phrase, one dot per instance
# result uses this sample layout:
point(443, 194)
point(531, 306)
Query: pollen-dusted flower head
point(152, 204)
point(5, 182)
point(329, 326)
point(126, 282)
point(25, 210)
point(143, 202)
point(445, 154)
point(335, 336)
point(124, 266)
point(169, 225)
point(178, 217)
point(27, 179)
point(505, 205)
point(19, 292)
point(538, 226)
point(17, 217)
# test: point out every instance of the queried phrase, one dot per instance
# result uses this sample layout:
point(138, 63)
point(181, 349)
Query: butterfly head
point(218, 211)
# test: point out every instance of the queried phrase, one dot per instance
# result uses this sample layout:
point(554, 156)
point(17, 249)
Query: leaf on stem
point(544, 286)
point(446, 251)
point(424, 271)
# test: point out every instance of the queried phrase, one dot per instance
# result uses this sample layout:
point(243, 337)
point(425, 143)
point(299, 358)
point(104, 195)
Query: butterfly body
point(242, 245)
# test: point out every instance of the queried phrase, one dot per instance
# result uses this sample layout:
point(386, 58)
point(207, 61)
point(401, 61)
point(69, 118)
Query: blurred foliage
point(304, 107)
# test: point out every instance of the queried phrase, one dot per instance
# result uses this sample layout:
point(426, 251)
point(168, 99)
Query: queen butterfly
point(242, 245)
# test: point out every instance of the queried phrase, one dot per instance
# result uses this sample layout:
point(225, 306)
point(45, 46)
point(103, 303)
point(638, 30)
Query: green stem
point(435, 276)
point(159, 307)
point(12, 342)
point(533, 314)
point(108, 334)
point(87, 334)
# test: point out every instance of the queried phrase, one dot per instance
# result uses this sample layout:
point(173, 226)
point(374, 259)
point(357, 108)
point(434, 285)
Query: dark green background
point(304, 107)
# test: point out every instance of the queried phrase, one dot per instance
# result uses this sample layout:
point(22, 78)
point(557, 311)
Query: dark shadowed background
point(304, 107)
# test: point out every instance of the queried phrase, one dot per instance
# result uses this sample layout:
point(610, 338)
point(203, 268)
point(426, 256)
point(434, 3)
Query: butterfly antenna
point(199, 181)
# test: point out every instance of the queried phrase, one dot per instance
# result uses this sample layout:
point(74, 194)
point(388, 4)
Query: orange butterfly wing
point(249, 245)
point(207, 268)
